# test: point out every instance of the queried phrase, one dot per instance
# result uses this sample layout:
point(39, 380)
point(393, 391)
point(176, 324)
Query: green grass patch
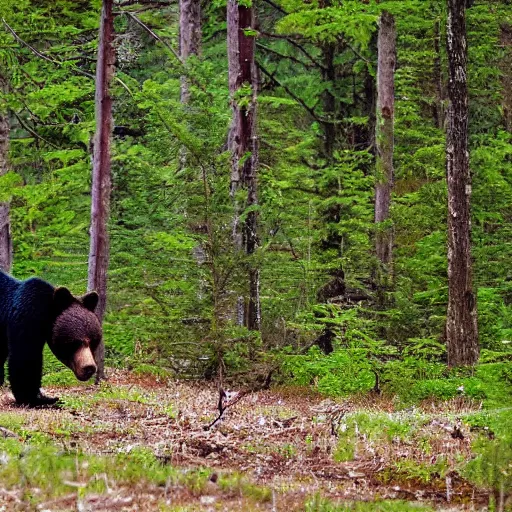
point(319, 504)
point(411, 379)
point(153, 370)
point(378, 429)
point(43, 466)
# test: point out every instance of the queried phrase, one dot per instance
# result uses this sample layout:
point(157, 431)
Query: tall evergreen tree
point(384, 133)
point(101, 179)
point(190, 37)
point(5, 224)
point(461, 321)
point(242, 142)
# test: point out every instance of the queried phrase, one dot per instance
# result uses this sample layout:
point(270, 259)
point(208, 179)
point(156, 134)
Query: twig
point(5, 432)
point(24, 43)
point(155, 36)
point(34, 133)
point(356, 52)
point(56, 62)
point(297, 45)
point(276, 7)
point(289, 92)
point(227, 405)
point(38, 53)
point(282, 55)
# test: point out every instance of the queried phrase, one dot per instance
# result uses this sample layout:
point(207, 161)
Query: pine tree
point(384, 133)
point(190, 37)
point(101, 179)
point(461, 321)
point(5, 224)
point(242, 143)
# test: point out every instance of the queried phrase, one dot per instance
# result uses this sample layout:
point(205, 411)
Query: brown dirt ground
point(282, 439)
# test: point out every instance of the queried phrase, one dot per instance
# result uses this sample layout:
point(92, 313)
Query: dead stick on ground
point(222, 394)
point(223, 407)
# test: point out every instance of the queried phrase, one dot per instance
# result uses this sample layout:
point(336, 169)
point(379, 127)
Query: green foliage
point(319, 504)
point(173, 276)
point(491, 468)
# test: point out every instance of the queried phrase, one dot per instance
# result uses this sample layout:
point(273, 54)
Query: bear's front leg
point(43, 399)
point(25, 373)
point(40, 400)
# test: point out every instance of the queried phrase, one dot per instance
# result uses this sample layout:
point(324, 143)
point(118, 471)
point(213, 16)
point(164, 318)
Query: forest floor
point(142, 443)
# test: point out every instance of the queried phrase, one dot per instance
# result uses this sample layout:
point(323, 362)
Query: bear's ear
point(90, 300)
point(62, 299)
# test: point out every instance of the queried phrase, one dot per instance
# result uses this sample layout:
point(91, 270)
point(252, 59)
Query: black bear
point(33, 312)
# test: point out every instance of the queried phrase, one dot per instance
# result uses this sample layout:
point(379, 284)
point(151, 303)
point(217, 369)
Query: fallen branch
point(224, 406)
point(5, 432)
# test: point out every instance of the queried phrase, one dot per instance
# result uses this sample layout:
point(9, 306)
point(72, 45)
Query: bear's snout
point(84, 365)
point(87, 372)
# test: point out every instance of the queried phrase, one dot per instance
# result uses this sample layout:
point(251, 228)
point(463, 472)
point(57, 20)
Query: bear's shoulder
point(34, 295)
point(36, 283)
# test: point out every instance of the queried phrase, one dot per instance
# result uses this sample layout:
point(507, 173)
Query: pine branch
point(38, 53)
point(282, 55)
point(53, 61)
point(154, 35)
point(299, 47)
point(289, 92)
point(33, 132)
point(31, 48)
point(276, 7)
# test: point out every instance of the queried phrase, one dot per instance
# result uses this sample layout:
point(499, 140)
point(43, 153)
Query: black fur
point(28, 312)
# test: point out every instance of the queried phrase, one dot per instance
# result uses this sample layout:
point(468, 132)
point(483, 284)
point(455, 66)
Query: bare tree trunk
point(384, 136)
point(190, 38)
point(243, 145)
point(5, 224)
point(506, 74)
point(461, 320)
point(101, 183)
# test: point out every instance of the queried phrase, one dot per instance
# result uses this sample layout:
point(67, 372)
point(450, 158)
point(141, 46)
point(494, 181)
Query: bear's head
point(76, 332)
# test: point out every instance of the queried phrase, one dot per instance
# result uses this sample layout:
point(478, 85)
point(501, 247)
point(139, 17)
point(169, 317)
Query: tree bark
point(243, 145)
point(506, 75)
point(5, 224)
point(190, 38)
point(101, 180)
point(461, 321)
point(384, 135)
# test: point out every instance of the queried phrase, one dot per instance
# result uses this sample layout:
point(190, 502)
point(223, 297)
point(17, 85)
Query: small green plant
point(239, 483)
point(319, 504)
point(408, 469)
point(492, 466)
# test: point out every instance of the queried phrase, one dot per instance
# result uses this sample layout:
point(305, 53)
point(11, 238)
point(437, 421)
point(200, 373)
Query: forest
point(298, 217)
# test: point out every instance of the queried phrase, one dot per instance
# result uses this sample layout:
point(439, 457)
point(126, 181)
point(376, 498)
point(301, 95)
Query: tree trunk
point(242, 143)
point(101, 182)
point(5, 224)
point(384, 133)
point(190, 38)
point(506, 74)
point(461, 320)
